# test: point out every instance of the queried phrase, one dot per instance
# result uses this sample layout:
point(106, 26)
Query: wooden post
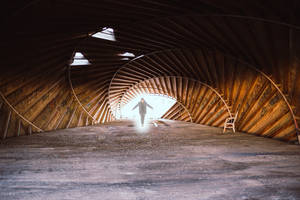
point(298, 134)
point(7, 125)
point(29, 130)
point(19, 127)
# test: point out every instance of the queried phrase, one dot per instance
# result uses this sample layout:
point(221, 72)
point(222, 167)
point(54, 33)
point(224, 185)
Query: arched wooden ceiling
point(247, 51)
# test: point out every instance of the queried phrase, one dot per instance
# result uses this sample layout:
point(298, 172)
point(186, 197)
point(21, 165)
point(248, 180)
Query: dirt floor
point(175, 160)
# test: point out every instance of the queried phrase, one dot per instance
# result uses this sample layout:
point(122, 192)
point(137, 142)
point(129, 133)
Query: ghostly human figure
point(142, 109)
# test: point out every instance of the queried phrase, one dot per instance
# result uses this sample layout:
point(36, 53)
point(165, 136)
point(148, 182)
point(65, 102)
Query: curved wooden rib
point(40, 101)
point(75, 96)
point(202, 103)
point(21, 116)
point(14, 124)
point(235, 80)
point(248, 34)
point(283, 96)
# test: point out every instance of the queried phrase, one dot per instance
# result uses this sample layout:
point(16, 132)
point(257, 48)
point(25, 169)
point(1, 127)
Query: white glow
point(79, 59)
point(161, 104)
point(106, 34)
point(126, 54)
point(80, 62)
point(79, 55)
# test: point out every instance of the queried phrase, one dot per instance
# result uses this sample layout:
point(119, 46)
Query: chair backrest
point(236, 114)
point(232, 119)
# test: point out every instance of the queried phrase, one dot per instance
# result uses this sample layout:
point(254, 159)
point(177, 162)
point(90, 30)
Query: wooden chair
point(229, 122)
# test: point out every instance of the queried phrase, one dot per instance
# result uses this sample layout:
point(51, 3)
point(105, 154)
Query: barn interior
point(69, 68)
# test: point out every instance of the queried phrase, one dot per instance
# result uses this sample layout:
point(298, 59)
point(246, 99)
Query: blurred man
point(142, 109)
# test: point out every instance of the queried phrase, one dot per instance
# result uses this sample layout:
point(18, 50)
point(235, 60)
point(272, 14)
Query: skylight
point(126, 54)
point(78, 55)
point(79, 59)
point(105, 34)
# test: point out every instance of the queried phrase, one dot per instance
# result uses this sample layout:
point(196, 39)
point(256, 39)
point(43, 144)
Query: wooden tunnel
point(214, 57)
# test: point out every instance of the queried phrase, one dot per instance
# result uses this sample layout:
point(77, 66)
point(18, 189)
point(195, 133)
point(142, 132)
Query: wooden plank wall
point(248, 52)
point(39, 100)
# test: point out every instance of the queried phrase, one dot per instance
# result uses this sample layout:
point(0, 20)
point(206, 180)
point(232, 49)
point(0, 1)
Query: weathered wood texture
point(177, 112)
point(45, 100)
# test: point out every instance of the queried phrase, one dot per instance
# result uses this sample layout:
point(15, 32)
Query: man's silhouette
point(142, 109)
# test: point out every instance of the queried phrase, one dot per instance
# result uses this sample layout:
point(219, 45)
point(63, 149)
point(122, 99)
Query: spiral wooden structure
point(214, 57)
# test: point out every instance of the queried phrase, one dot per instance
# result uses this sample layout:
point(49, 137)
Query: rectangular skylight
point(105, 34)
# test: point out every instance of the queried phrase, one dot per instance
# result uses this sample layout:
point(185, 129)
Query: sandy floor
point(175, 160)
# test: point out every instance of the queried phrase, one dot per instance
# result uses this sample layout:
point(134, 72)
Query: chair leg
point(233, 128)
point(224, 129)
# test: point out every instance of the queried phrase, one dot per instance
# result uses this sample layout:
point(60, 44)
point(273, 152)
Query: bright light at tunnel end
point(160, 103)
